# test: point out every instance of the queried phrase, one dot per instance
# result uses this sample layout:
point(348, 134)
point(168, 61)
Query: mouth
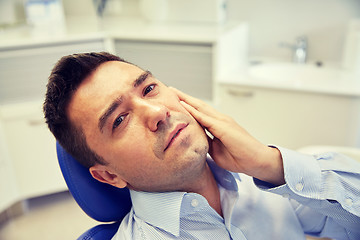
point(174, 134)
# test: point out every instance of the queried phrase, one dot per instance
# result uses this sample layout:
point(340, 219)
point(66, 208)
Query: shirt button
point(286, 195)
point(194, 202)
point(348, 202)
point(299, 186)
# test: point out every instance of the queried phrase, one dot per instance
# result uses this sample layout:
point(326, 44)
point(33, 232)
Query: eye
point(148, 89)
point(118, 121)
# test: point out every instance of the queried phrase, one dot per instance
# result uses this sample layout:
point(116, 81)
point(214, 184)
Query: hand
point(231, 147)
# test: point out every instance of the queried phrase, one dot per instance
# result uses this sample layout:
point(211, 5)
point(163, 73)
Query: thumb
point(217, 150)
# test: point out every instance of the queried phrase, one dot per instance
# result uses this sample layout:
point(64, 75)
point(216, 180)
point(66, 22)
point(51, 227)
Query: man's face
point(139, 127)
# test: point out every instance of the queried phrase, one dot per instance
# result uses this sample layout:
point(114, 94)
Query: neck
point(208, 188)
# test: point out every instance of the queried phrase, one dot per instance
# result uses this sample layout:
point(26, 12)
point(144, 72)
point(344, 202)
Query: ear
point(104, 174)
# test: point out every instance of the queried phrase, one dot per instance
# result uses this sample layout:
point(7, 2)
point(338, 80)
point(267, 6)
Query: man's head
point(64, 80)
point(130, 126)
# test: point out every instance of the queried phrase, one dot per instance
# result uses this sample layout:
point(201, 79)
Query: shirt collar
point(223, 177)
point(163, 209)
point(159, 209)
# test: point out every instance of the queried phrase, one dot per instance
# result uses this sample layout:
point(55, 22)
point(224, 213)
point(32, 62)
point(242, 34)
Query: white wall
point(324, 22)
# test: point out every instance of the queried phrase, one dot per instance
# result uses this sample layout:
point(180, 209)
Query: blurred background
point(325, 22)
point(288, 71)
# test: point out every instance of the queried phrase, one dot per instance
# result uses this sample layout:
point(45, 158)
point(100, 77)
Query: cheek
point(135, 147)
point(130, 159)
point(173, 103)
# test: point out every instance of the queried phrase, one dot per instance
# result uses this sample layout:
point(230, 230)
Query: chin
point(198, 158)
point(202, 150)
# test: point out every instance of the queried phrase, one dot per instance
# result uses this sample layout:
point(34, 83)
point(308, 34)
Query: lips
point(174, 134)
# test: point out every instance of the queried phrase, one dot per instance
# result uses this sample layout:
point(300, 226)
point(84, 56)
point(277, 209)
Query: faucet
point(100, 7)
point(300, 49)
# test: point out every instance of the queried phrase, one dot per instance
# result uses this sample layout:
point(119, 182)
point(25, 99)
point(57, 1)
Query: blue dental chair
point(100, 201)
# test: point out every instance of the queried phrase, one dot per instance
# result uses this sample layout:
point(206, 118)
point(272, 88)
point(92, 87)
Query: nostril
point(156, 116)
point(160, 125)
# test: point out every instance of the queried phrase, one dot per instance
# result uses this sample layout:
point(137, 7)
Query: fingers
point(196, 103)
point(202, 118)
point(206, 115)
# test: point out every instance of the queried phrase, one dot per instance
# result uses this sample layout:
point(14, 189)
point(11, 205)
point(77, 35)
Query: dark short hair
point(65, 78)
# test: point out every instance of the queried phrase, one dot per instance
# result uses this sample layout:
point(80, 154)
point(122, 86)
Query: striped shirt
point(321, 197)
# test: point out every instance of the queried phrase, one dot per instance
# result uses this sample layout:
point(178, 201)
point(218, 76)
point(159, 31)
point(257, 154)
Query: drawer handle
point(238, 93)
point(36, 122)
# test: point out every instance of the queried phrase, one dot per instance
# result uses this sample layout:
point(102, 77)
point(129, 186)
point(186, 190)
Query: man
point(132, 131)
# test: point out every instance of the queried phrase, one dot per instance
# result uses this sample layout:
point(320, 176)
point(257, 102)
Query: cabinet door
point(24, 71)
point(187, 67)
point(31, 148)
point(8, 190)
point(294, 119)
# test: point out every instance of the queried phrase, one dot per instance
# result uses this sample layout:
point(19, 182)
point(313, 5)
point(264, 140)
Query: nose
point(153, 114)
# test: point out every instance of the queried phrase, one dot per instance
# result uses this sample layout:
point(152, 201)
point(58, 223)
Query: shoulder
point(134, 228)
point(126, 228)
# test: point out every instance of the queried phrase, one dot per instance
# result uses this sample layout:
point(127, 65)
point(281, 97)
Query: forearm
point(328, 185)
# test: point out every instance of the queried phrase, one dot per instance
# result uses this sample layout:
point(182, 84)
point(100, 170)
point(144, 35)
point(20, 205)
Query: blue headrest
point(100, 201)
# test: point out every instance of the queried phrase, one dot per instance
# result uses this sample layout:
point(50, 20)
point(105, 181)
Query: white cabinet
point(8, 189)
point(28, 162)
point(31, 148)
point(293, 119)
point(185, 66)
point(24, 70)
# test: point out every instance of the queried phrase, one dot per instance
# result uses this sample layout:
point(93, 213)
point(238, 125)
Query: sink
point(293, 72)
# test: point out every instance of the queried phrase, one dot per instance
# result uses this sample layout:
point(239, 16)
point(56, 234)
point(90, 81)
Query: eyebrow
point(118, 101)
point(139, 80)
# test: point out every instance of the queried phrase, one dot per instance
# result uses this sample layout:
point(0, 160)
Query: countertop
point(348, 85)
point(81, 29)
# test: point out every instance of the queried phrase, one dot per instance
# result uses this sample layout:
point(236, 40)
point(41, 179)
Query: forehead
point(113, 72)
point(107, 79)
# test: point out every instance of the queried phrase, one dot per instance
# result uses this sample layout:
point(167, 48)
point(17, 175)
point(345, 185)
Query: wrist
point(271, 169)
